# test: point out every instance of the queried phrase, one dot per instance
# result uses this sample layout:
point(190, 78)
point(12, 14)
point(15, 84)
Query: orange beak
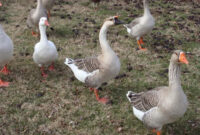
point(46, 23)
point(116, 16)
point(0, 4)
point(182, 58)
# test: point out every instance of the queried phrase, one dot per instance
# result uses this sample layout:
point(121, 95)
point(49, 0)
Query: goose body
point(6, 53)
point(96, 70)
point(35, 15)
point(48, 4)
point(6, 48)
point(45, 52)
point(141, 25)
point(165, 104)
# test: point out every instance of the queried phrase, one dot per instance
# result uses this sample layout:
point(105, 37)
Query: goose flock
point(155, 108)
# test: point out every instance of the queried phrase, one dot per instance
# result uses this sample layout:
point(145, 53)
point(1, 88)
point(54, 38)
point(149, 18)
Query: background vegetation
point(63, 105)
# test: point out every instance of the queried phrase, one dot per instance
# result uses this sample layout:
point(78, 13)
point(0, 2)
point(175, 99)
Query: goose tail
point(68, 61)
point(129, 95)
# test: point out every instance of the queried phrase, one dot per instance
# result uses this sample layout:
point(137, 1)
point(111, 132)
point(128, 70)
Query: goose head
point(179, 57)
point(112, 21)
point(43, 22)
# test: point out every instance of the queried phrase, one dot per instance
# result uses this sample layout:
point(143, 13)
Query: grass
point(63, 105)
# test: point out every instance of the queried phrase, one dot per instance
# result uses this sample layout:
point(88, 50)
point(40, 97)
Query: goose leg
point(140, 41)
point(5, 70)
point(51, 68)
point(43, 73)
point(49, 14)
point(4, 84)
point(157, 132)
point(102, 100)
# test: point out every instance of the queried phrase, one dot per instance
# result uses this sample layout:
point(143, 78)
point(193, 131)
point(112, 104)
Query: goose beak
point(117, 21)
point(182, 58)
point(46, 23)
point(0, 4)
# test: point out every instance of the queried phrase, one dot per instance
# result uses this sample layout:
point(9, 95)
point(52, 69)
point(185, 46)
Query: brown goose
point(34, 17)
point(97, 70)
point(48, 4)
point(162, 105)
point(141, 25)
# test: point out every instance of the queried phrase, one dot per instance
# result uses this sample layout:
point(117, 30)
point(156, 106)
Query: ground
point(61, 104)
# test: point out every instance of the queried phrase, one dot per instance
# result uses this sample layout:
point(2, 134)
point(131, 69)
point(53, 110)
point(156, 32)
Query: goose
point(165, 104)
point(141, 25)
point(45, 52)
point(34, 17)
point(48, 4)
point(6, 54)
point(94, 71)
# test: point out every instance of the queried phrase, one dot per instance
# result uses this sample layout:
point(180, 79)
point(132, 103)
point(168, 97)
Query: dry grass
point(62, 105)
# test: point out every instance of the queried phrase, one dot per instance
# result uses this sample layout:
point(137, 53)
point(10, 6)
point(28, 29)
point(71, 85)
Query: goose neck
point(174, 74)
point(146, 7)
point(43, 36)
point(103, 39)
point(39, 5)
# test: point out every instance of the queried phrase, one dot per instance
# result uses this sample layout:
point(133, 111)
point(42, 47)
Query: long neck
point(103, 39)
point(43, 36)
point(39, 5)
point(174, 75)
point(146, 7)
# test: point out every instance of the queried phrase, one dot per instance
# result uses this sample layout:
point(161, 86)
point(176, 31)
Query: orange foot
point(144, 49)
point(4, 84)
point(157, 132)
point(103, 100)
point(5, 70)
point(51, 68)
point(34, 34)
point(43, 73)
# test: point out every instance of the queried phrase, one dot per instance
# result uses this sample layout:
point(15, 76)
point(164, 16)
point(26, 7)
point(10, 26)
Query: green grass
point(62, 104)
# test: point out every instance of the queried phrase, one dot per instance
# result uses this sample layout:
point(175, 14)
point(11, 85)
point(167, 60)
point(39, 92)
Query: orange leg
point(140, 41)
point(43, 73)
point(5, 70)
point(157, 132)
point(49, 14)
point(102, 100)
point(51, 68)
point(34, 34)
point(4, 84)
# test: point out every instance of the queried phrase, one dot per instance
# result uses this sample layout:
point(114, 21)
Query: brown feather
point(144, 101)
point(88, 65)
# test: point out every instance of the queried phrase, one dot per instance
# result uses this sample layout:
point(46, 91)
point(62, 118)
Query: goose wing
point(88, 64)
point(144, 101)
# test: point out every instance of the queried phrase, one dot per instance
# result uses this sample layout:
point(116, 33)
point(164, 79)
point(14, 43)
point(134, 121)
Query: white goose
point(45, 52)
point(6, 53)
point(141, 26)
point(34, 17)
point(48, 4)
point(96, 70)
point(162, 105)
